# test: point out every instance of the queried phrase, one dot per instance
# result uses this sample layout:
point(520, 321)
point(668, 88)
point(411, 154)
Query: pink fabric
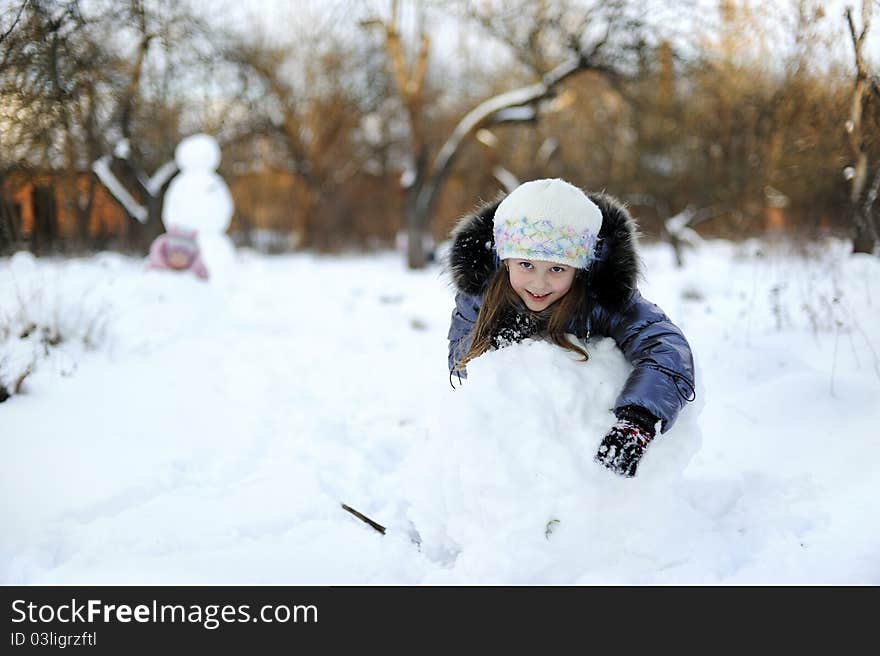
point(177, 250)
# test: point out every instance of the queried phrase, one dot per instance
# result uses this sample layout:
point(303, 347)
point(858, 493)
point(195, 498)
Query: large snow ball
point(503, 487)
point(198, 152)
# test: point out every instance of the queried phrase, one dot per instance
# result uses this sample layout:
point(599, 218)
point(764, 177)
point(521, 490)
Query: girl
point(548, 260)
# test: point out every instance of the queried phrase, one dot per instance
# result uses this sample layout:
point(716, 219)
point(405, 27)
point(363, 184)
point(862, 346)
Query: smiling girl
point(549, 261)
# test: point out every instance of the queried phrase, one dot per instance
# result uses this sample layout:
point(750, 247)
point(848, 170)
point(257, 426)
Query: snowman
point(199, 200)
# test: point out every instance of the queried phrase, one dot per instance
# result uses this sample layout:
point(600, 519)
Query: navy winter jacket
point(662, 380)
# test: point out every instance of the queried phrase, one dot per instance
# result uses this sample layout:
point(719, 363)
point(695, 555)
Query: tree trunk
point(153, 227)
point(415, 229)
point(45, 229)
point(415, 214)
point(863, 234)
point(139, 236)
point(8, 231)
point(8, 222)
point(84, 212)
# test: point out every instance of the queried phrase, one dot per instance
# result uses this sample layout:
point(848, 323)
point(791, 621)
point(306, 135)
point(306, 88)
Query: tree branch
point(482, 115)
point(15, 21)
point(855, 39)
point(364, 518)
point(101, 167)
point(418, 78)
point(871, 198)
point(398, 65)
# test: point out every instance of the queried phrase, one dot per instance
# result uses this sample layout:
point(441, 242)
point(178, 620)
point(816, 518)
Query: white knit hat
point(548, 220)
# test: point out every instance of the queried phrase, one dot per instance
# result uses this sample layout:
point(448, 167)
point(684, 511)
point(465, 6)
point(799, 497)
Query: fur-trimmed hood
point(614, 272)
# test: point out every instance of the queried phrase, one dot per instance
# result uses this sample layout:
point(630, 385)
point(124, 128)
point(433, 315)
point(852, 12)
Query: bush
point(42, 309)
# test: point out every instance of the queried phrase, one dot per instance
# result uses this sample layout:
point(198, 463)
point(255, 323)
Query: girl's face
point(538, 283)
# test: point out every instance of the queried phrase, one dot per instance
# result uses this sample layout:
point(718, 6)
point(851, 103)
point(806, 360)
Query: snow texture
point(512, 451)
point(205, 434)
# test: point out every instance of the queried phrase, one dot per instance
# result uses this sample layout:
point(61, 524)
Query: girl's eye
point(557, 269)
point(526, 265)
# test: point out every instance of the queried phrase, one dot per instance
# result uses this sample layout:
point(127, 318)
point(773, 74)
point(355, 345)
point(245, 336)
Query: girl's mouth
point(538, 297)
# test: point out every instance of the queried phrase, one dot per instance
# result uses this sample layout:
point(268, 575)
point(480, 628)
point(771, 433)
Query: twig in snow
point(834, 360)
point(364, 518)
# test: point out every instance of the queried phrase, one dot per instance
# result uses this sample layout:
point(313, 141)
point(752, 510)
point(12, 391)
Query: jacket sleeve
point(463, 318)
point(662, 380)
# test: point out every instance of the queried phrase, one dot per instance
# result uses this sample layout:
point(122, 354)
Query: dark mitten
point(625, 444)
point(513, 328)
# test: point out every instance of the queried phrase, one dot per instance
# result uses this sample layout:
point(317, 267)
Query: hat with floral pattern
point(548, 220)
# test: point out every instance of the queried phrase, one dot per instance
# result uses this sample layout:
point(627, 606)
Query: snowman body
point(199, 200)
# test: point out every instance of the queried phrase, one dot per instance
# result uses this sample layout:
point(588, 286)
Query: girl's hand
point(626, 442)
point(514, 328)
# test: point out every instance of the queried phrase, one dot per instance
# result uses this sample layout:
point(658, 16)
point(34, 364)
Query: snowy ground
point(182, 432)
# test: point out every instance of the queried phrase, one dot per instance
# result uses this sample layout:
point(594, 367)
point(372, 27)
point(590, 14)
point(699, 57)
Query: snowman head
point(198, 152)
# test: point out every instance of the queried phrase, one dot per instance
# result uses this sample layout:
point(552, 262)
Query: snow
point(505, 177)
point(511, 114)
point(122, 150)
point(513, 451)
point(407, 177)
point(188, 433)
point(155, 183)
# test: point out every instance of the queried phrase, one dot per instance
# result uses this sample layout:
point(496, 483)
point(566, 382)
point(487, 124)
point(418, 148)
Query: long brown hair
point(500, 300)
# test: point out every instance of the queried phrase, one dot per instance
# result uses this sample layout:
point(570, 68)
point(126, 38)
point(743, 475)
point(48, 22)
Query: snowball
point(122, 149)
point(504, 486)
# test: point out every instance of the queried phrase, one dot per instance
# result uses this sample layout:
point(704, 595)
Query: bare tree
point(40, 78)
point(557, 46)
point(864, 183)
point(130, 133)
point(144, 105)
point(308, 100)
point(74, 93)
point(14, 16)
point(409, 79)
point(9, 19)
